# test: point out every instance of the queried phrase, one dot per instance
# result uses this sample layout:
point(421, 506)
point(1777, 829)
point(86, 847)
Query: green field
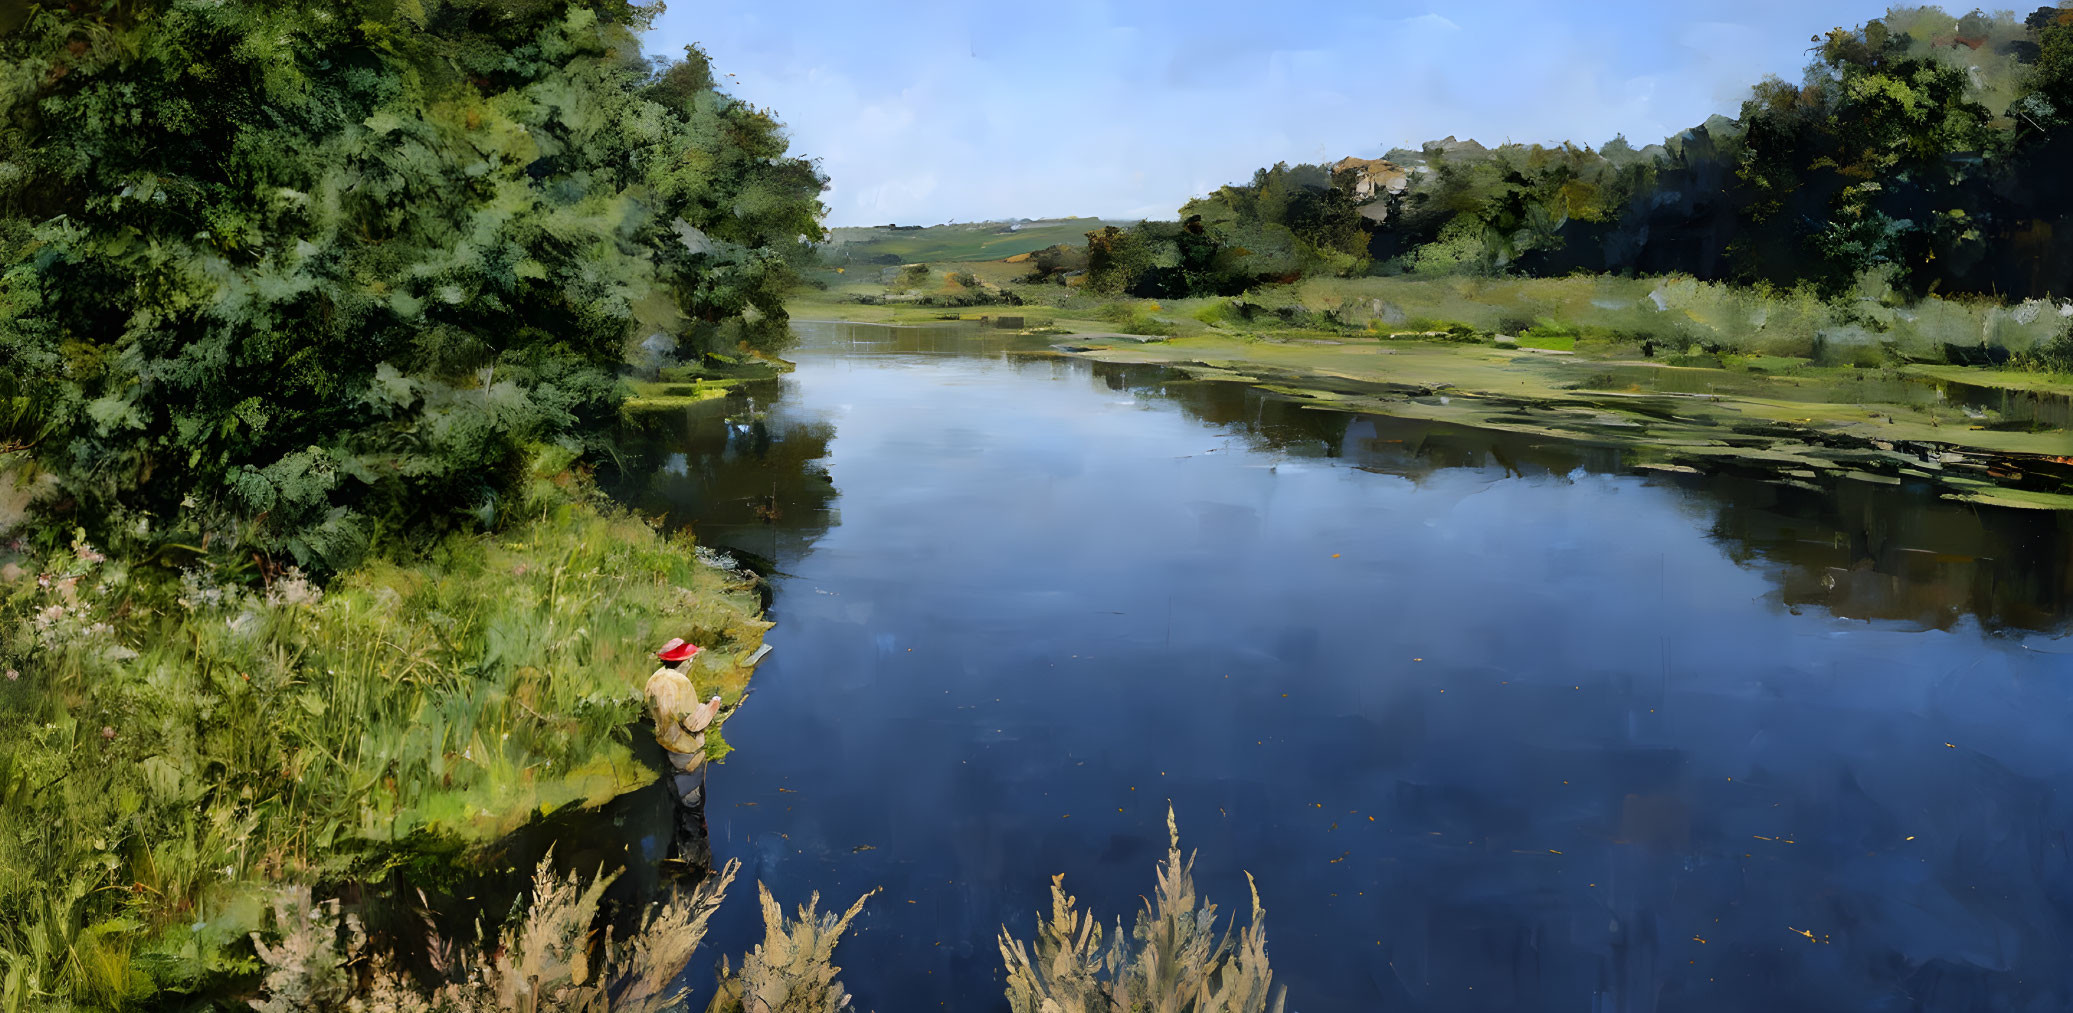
point(874, 244)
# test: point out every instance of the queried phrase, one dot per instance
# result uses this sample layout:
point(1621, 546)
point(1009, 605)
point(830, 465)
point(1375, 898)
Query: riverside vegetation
point(314, 321)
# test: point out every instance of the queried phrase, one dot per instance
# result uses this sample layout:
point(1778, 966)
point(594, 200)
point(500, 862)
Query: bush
point(1136, 318)
point(2054, 356)
point(280, 282)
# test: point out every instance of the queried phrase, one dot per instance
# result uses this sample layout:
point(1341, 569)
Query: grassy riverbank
point(682, 386)
point(1679, 373)
point(177, 751)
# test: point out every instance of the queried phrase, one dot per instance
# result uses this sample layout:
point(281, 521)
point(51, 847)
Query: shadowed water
point(1496, 725)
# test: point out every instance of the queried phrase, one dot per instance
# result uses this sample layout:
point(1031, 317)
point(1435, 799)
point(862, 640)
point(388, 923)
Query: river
point(1497, 725)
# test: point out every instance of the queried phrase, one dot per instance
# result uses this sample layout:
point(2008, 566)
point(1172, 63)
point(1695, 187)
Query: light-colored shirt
point(680, 717)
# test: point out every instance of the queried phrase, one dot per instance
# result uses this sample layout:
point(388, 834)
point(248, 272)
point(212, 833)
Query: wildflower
point(107, 732)
point(13, 675)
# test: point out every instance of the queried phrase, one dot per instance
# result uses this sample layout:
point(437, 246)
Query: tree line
point(1924, 149)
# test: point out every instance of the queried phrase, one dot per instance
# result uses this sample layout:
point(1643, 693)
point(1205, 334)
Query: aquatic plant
point(549, 960)
point(793, 969)
point(1172, 962)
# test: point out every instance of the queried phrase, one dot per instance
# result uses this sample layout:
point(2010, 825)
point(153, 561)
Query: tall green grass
point(1665, 317)
point(173, 750)
point(1870, 327)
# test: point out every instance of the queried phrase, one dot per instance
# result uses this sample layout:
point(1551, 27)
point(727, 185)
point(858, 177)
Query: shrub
point(2054, 356)
point(1136, 318)
point(293, 277)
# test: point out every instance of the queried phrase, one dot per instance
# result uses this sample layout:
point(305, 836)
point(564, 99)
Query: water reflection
point(1859, 550)
point(1498, 726)
point(747, 472)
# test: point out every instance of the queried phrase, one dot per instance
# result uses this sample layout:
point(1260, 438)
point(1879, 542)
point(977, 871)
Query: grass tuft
point(793, 969)
point(1173, 961)
point(549, 960)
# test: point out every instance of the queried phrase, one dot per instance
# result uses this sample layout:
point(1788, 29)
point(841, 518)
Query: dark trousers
point(691, 844)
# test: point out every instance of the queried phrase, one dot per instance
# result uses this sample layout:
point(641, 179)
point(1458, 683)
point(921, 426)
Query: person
point(680, 725)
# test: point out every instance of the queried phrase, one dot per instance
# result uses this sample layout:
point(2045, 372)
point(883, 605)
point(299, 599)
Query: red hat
point(677, 650)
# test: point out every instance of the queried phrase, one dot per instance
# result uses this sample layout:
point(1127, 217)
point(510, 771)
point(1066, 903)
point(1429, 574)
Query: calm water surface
point(1496, 725)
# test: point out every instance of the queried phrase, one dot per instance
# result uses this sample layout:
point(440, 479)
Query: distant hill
point(917, 244)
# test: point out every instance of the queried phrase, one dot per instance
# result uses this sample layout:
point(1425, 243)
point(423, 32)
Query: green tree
point(1864, 165)
point(1115, 258)
point(1290, 221)
point(288, 277)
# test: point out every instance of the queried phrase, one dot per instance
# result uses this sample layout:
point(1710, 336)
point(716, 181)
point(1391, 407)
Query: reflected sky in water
point(1496, 726)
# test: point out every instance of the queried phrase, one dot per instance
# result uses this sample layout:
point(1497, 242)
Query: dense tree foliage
point(291, 277)
point(1925, 149)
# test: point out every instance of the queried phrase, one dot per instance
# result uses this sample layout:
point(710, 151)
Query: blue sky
point(926, 111)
